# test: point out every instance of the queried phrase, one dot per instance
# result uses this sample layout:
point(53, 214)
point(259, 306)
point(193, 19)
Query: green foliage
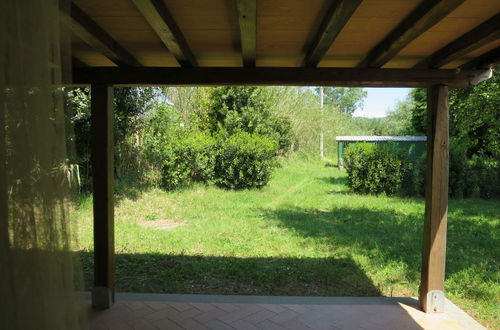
point(131, 105)
point(344, 100)
point(418, 97)
point(474, 117)
point(246, 108)
point(474, 177)
point(78, 103)
point(244, 160)
point(182, 157)
point(474, 136)
point(378, 168)
point(399, 120)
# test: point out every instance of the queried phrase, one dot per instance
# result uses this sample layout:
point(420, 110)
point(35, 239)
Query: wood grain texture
point(247, 21)
point(103, 184)
point(427, 14)
point(161, 21)
point(348, 77)
point(436, 193)
point(483, 61)
point(86, 29)
point(334, 20)
point(479, 36)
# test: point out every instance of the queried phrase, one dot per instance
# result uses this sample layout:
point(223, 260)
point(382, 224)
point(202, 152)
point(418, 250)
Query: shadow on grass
point(129, 190)
point(389, 236)
point(335, 181)
point(163, 273)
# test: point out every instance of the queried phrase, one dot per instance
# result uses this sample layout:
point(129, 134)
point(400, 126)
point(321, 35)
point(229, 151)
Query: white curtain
point(37, 286)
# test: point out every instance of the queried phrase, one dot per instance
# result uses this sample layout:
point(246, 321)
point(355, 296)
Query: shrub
point(244, 160)
point(480, 177)
point(378, 168)
point(182, 158)
point(200, 150)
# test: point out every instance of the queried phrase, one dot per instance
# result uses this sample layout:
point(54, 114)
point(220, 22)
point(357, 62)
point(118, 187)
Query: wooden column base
point(102, 297)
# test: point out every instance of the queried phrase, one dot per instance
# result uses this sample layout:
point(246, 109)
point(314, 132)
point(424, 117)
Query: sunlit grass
point(303, 234)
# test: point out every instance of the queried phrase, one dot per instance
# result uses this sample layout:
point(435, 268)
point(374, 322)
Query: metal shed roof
point(381, 138)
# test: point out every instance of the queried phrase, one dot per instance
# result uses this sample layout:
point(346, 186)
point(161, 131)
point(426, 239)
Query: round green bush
point(244, 160)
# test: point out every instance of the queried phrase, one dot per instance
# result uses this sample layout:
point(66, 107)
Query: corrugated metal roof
point(382, 138)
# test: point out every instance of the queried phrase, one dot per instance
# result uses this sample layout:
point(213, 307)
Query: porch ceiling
point(406, 34)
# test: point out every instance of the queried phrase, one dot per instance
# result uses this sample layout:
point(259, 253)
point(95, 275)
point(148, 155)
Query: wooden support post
point(103, 180)
point(431, 293)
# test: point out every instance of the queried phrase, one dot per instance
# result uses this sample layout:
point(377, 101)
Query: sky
point(380, 100)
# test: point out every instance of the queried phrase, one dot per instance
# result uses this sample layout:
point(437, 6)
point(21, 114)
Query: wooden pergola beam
point(89, 31)
point(346, 77)
point(334, 20)
point(479, 36)
point(162, 22)
point(247, 20)
point(431, 293)
point(483, 61)
point(101, 98)
point(76, 63)
point(426, 15)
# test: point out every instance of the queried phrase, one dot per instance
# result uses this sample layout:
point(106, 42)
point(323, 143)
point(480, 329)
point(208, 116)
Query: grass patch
point(303, 234)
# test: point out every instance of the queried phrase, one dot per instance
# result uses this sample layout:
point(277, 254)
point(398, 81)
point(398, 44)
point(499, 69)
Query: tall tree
point(247, 108)
point(344, 100)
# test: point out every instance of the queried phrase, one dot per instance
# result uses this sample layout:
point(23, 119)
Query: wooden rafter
point(344, 77)
point(247, 19)
point(483, 61)
point(89, 31)
point(481, 35)
point(336, 17)
point(426, 15)
point(77, 63)
point(159, 18)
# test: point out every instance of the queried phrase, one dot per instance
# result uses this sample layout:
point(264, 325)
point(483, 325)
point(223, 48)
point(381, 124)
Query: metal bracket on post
point(102, 297)
point(434, 302)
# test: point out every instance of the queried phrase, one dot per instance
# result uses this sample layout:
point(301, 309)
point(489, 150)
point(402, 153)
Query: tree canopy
point(344, 100)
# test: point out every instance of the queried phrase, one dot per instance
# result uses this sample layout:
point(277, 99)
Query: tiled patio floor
point(163, 311)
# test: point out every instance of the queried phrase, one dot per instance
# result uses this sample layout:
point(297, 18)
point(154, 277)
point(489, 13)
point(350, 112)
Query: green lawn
point(303, 234)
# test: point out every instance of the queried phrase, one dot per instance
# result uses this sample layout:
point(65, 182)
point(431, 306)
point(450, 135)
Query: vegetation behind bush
point(376, 168)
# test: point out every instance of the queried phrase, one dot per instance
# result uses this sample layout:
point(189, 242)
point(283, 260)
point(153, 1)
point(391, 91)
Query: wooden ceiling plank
point(77, 63)
point(422, 18)
point(342, 77)
point(336, 17)
point(162, 22)
point(479, 36)
point(90, 32)
point(247, 19)
point(483, 61)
